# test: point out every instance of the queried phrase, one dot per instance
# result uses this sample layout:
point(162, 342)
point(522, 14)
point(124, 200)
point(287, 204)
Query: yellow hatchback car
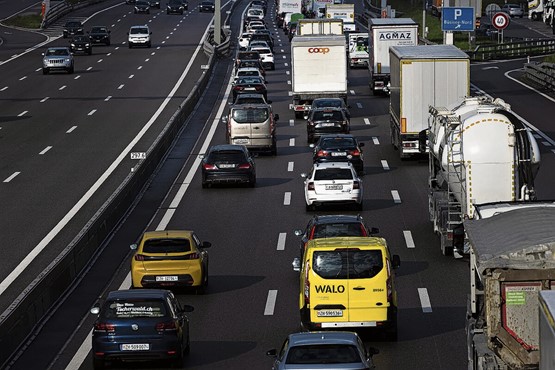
point(173, 258)
point(348, 283)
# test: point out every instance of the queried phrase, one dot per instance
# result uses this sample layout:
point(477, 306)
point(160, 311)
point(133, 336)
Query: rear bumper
point(347, 198)
point(160, 349)
point(227, 178)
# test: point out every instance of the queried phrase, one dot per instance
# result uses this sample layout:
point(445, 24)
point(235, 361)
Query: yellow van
point(348, 282)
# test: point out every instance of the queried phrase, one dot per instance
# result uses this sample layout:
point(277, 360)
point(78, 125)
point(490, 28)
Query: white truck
point(511, 266)
point(345, 12)
point(358, 50)
point(318, 70)
point(549, 12)
point(479, 152)
point(383, 33)
point(289, 6)
point(312, 27)
point(536, 9)
point(547, 330)
point(436, 75)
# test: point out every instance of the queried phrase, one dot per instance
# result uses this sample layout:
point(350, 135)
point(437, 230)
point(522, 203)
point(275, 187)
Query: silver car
point(57, 59)
point(513, 10)
point(323, 350)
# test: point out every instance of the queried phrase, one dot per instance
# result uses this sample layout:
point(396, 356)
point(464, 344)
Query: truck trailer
point(345, 12)
point(423, 76)
point(358, 50)
point(319, 27)
point(511, 264)
point(383, 33)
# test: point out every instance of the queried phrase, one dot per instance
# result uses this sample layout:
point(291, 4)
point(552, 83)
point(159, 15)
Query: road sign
point(500, 20)
point(491, 9)
point(457, 19)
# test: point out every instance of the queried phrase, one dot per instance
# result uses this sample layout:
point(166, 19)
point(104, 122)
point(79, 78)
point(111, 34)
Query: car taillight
point(245, 166)
point(238, 88)
point(259, 87)
point(166, 325)
point(105, 327)
point(307, 287)
point(344, 123)
point(139, 257)
point(389, 284)
point(322, 153)
point(310, 123)
point(310, 186)
point(193, 256)
point(356, 185)
point(355, 152)
point(208, 166)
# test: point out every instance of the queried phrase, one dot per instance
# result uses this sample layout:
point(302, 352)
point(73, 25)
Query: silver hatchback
point(57, 59)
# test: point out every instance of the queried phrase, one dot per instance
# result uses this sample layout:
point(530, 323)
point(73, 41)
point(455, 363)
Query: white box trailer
point(547, 329)
point(289, 6)
point(318, 70)
point(423, 76)
point(382, 34)
point(312, 27)
point(345, 12)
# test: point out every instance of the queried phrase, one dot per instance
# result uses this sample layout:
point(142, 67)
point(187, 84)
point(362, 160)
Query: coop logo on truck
point(395, 35)
point(330, 289)
point(318, 50)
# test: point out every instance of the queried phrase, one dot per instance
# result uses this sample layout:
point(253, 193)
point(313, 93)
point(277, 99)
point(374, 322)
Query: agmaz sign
point(395, 35)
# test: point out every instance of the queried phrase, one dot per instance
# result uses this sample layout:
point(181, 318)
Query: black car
point(224, 164)
point(339, 148)
point(206, 6)
point(177, 7)
point(249, 85)
point(80, 44)
point(99, 35)
point(72, 28)
point(331, 103)
point(140, 324)
point(331, 226)
point(142, 6)
point(322, 121)
point(154, 4)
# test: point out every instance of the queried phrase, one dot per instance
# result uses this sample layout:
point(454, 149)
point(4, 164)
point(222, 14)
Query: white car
point(255, 12)
point(244, 40)
point(258, 44)
point(332, 183)
point(266, 56)
point(139, 35)
point(256, 27)
point(248, 71)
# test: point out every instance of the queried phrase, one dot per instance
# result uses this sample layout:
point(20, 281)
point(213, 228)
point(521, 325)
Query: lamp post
point(217, 22)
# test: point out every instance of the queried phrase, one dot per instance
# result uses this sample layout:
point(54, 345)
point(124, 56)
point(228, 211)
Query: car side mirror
point(133, 246)
point(272, 353)
point(296, 264)
point(374, 231)
point(276, 117)
point(298, 232)
point(396, 261)
point(206, 245)
point(187, 308)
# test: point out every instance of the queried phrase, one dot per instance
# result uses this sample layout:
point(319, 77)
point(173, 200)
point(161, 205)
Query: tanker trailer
point(480, 152)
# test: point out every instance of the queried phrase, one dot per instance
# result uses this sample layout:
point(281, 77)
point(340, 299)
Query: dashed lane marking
point(44, 99)
point(408, 239)
point(12, 176)
point(291, 122)
point(375, 140)
point(359, 105)
point(108, 98)
point(292, 141)
point(91, 112)
point(366, 121)
point(270, 303)
point(23, 113)
point(281, 241)
point(63, 87)
point(352, 92)
point(45, 150)
point(22, 78)
point(287, 198)
point(385, 165)
point(71, 129)
point(424, 300)
point(290, 166)
point(120, 87)
point(395, 195)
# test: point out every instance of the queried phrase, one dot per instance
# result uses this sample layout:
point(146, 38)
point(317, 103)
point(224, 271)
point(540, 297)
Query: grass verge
point(25, 21)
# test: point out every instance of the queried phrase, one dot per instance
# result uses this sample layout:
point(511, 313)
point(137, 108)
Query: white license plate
point(241, 141)
point(334, 187)
point(135, 347)
point(338, 154)
point(166, 278)
point(327, 124)
point(226, 165)
point(329, 313)
point(250, 88)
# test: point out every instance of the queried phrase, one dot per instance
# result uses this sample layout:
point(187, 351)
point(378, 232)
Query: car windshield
point(167, 245)
point(322, 115)
point(347, 263)
point(249, 63)
point(333, 174)
point(337, 143)
point(57, 52)
point(140, 2)
point(248, 55)
point(228, 156)
point(73, 24)
point(138, 31)
point(249, 80)
point(264, 51)
point(128, 309)
point(99, 30)
point(207, 3)
point(256, 115)
point(323, 354)
point(80, 39)
point(338, 229)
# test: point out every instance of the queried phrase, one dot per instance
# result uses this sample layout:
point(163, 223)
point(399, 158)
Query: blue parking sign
point(457, 19)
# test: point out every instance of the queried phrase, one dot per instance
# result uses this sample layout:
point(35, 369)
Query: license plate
point(334, 187)
point(135, 347)
point(166, 278)
point(226, 165)
point(250, 88)
point(329, 313)
point(327, 124)
point(241, 141)
point(338, 154)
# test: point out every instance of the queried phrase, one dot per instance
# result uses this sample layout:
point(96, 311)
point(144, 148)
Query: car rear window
point(234, 156)
point(167, 245)
point(327, 103)
point(327, 115)
point(347, 263)
point(339, 229)
point(337, 143)
point(333, 174)
point(323, 354)
point(249, 100)
point(119, 309)
point(256, 115)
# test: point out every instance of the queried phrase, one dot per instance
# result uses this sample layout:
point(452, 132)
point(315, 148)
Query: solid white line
point(424, 300)
point(287, 198)
point(359, 105)
point(270, 303)
point(45, 150)
point(395, 195)
point(63, 87)
point(281, 241)
point(121, 86)
point(12, 177)
point(22, 78)
point(69, 132)
point(385, 165)
point(352, 92)
point(4, 88)
point(108, 98)
point(22, 113)
point(292, 141)
point(366, 121)
point(91, 112)
point(44, 99)
point(375, 140)
point(291, 122)
point(131, 76)
point(290, 166)
point(408, 239)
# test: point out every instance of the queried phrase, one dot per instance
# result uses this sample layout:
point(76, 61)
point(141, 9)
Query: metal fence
point(513, 50)
point(542, 74)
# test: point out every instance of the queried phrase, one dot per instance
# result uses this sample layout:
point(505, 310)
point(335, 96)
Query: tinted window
point(333, 230)
point(167, 246)
point(347, 264)
point(138, 31)
point(99, 30)
point(134, 308)
point(337, 143)
point(333, 174)
point(249, 100)
point(323, 354)
point(324, 115)
point(328, 103)
point(73, 24)
point(80, 39)
point(257, 115)
point(249, 80)
point(59, 52)
point(233, 156)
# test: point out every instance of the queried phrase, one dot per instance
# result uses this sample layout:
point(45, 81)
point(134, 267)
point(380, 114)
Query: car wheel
point(98, 364)
point(45, 71)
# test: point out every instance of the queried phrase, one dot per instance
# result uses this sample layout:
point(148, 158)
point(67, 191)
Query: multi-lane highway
point(62, 132)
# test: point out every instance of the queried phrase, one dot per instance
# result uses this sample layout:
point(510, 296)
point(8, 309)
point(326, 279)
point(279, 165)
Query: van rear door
point(240, 126)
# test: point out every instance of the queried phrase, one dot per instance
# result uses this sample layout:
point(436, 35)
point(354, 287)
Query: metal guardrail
point(63, 8)
point(542, 74)
point(513, 49)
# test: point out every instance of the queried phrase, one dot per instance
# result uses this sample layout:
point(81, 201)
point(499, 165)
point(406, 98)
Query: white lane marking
point(88, 69)
point(71, 129)
point(77, 77)
point(108, 98)
point(287, 73)
point(113, 25)
point(292, 141)
point(38, 69)
point(366, 121)
point(158, 48)
point(22, 113)
point(352, 92)
point(63, 87)
point(44, 99)
point(167, 37)
point(121, 86)
point(270, 303)
point(147, 59)
point(117, 47)
point(163, 42)
point(4, 88)
point(131, 76)
point(45, 150)
point(140, 67)
point(287, 198)
point(424, 300)
point(395, 195)
point(119, 20)
point(375, 140)
point(385, 165)
point(100, 60)
point(537, 136)
point(408, 239)
point(283, 51)
point(281, 241)
point(108, 54)
point(166, 218)
point(288, 82)
point(12, 177)
point(546, 143)
point(359, 105)
point(286, 64)
point(290, 166)
point(284, 57)
point(291, 122)
point(22, 78)
point(153, 53)
point(91, 112)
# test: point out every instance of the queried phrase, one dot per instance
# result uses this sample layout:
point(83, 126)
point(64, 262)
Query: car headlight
point(67, 60)
point(72, 45)
point(87, 45)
